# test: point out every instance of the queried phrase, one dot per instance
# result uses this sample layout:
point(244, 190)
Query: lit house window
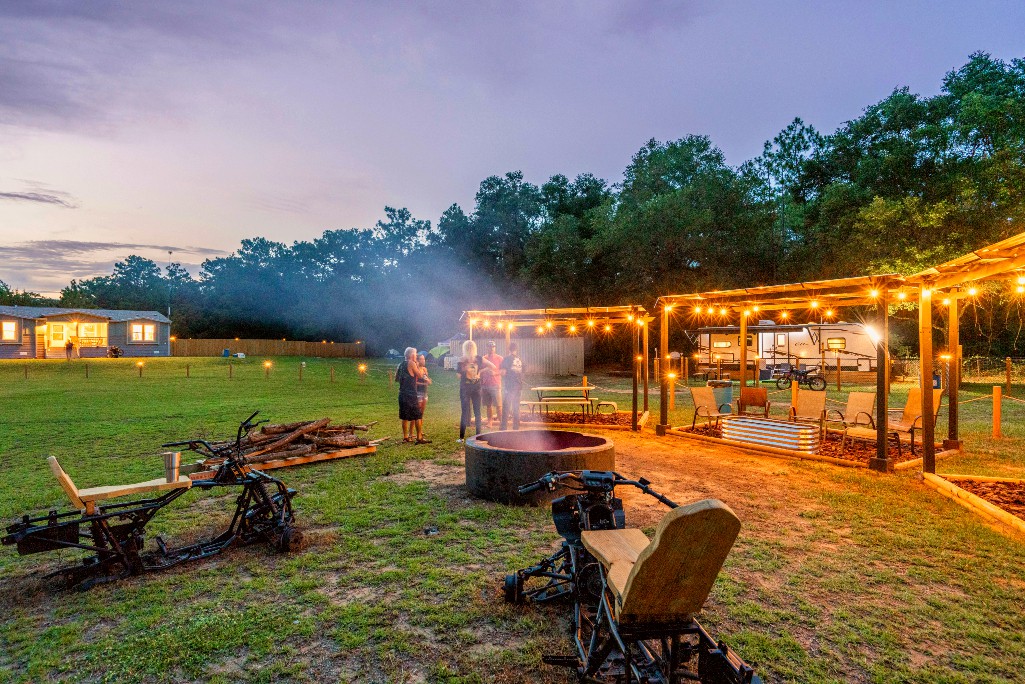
point(8, 331)
point(144, 332)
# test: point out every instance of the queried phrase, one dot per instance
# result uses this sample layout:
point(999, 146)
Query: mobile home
point(41, 332)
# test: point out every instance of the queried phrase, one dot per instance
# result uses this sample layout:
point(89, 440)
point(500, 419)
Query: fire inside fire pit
point(499, 462)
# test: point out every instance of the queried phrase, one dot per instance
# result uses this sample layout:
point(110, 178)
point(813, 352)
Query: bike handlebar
point(555, 478)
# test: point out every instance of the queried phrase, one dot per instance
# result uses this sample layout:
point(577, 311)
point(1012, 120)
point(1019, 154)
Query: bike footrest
point(561, 661)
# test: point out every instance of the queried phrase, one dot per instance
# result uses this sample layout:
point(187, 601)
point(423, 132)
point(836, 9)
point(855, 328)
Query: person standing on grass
point(69, 349)
point(469, 369)
point(421, 394)
point(409, 406)
point(491, 385)
point(512, 386)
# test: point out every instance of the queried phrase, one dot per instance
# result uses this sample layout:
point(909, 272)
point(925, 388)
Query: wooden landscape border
point(974, 503)
point(790, 453)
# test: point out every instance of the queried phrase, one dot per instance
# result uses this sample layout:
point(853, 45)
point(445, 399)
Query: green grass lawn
point(839, 575)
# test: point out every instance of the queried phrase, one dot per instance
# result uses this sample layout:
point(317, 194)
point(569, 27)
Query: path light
point(362, 368)
point(139, 364)
point(266, 368)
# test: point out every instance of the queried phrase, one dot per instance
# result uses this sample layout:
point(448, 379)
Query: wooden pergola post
point(647, 360)
point(882, 461)
point(925, 352)
point(954, 371)
point(636, 373)
point(743, 348)
point(663, 389)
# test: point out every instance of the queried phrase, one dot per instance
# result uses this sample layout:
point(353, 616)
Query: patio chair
point(753, 398)
point(911, 415)
point(860, 410)
point(810, 408)
point(705, 406)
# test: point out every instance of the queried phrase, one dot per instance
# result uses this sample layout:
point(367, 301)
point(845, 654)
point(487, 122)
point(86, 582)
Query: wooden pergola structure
point(577, 321)
point(948, 283)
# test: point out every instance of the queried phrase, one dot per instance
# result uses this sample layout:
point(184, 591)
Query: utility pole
point(170, 283)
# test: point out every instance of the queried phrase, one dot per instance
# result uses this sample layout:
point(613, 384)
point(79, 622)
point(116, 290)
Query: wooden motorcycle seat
point(87, 498)
point(670, 578)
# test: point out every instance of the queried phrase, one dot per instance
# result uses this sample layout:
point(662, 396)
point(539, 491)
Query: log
point(336, 441)
point(301, 450)
point(288, 439)
point(286, 427)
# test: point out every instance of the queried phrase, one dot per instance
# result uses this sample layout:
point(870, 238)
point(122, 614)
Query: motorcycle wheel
point(817, 383)
point(784, 383)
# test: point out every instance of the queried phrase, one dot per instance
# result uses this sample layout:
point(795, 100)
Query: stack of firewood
point(276, 442)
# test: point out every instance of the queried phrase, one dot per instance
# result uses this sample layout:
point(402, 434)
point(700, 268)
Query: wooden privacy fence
point(268, 348)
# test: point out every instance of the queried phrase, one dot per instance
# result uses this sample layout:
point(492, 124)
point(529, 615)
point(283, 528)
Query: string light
point(669, 307)
point(590, 324)
point(829, 313)
point(697, 309)
point(946, 302)
point(549, 324)
point(784, 314)
point(873, 293)
point(630, 317)
point(902, 295)
point(757, 308)
point(487, 324)
point(972, 291)
point(573, 329)
point(722, 312)
point(814, 304)
point(608, 328)
point(540, 330)
point(640, 322)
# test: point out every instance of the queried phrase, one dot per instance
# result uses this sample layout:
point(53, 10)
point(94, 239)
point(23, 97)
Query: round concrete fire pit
point(499, 462)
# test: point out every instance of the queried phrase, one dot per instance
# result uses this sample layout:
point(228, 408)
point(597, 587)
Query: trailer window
point(722, 345)
point(781, 339)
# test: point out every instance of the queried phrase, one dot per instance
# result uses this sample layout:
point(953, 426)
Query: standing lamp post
point(836, 345)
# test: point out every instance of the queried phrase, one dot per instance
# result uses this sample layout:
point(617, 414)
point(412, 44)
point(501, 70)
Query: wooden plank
point(65, 482)
point(115, 491)
point(314, 458)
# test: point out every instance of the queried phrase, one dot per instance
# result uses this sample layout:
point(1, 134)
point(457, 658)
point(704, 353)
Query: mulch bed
point(1009, 496)
point(576, 417)
point(857, 450)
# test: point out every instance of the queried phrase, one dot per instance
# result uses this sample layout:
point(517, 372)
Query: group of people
point(489, 380)
point(492, 380)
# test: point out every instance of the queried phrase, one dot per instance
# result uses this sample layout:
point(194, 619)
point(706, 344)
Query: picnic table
point(563, 395)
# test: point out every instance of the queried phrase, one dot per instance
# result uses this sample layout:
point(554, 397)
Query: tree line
point(911, 182)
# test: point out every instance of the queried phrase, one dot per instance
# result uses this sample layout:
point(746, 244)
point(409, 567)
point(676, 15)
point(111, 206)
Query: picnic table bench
point(567, 395)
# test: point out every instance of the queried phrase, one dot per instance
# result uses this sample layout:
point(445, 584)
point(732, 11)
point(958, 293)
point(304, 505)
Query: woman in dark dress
point(410, 412)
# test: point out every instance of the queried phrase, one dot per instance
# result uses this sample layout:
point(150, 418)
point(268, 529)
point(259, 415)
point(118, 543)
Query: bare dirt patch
point(1009, 496)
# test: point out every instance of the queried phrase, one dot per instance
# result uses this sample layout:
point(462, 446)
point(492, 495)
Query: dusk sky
point(143, 127)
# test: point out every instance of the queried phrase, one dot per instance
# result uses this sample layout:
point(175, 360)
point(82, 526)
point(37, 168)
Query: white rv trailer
point(802, 344)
